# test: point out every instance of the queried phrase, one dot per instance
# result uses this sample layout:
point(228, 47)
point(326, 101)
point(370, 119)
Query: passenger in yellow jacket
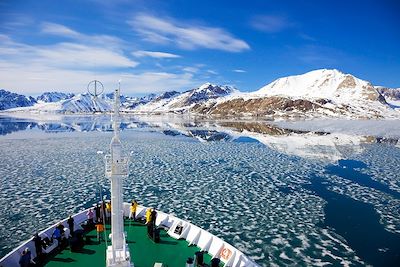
point(132, 211)
point(108, 211)
point(148, 215)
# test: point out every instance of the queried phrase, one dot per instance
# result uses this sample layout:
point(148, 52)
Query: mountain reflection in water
point(324, 146)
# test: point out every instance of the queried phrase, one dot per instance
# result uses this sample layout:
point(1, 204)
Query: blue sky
point(154, 46)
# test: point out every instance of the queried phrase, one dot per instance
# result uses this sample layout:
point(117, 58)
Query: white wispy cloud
point(186, 36)
point(191, 69)
point(82, 56)
point(239, 71)
point(59, 30)
point(63, 55)
point(270, 23)
point(68, 66)
point(82, 51)
point(212, 72)
point(35, 79)
point(103, 40)
point(154, 54)
point(15, 21)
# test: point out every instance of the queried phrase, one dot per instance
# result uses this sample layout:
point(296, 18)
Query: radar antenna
point(95, 88)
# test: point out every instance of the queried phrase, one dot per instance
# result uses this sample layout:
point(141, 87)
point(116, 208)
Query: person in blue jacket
point(57, 234)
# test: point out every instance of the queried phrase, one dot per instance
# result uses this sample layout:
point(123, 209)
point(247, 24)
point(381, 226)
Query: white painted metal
point(117, 169)
point(205, 241)
point(194, 235)
point(216, 246)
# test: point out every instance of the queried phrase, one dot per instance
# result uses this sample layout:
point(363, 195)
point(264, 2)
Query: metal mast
point(116, 169)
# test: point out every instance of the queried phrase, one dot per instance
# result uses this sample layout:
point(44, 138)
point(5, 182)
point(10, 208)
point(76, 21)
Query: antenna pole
point(117, 168)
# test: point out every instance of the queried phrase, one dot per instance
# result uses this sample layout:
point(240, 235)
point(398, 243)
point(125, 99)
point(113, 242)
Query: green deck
point(144, 252)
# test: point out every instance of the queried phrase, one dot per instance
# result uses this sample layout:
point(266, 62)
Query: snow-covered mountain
point(207, 92)
point(322, 84)
point(175, 102)
point(319, 93)
point(12, 100)
point(127, 102)
point(154, 103)
point(133, 102)
point(392, 95)
point(165, 95)
point(85, 103)
point(81, 103)
point(313, 94)
point(49, 97)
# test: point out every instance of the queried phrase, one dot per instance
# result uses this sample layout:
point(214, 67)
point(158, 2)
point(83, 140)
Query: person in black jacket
point(153, 217)
point(70, 222)
point(38, 245)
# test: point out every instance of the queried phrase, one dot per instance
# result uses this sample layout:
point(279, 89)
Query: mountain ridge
point(323, 92)
point(317, 93)
point(13, 100)
point(54, 96)
point(323, 83)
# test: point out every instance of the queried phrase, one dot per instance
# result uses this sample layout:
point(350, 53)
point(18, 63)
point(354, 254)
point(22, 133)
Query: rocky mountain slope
point(392, 95)
point(12, 100)
point(389, 93)
point(313, 94)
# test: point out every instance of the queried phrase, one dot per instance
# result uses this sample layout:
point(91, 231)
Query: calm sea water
point(283, 197)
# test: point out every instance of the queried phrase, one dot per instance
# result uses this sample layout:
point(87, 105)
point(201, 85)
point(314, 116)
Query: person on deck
point(108, 211)
point(57, 234)
point(100, 231)
point(26, 258)
point(38, 244)
point(61, 227)
point(97, 209)
point(132, 213)
point(148, 215)
point(153, 217)
point(70, 222)
point(90, 216)
point(46, 242)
